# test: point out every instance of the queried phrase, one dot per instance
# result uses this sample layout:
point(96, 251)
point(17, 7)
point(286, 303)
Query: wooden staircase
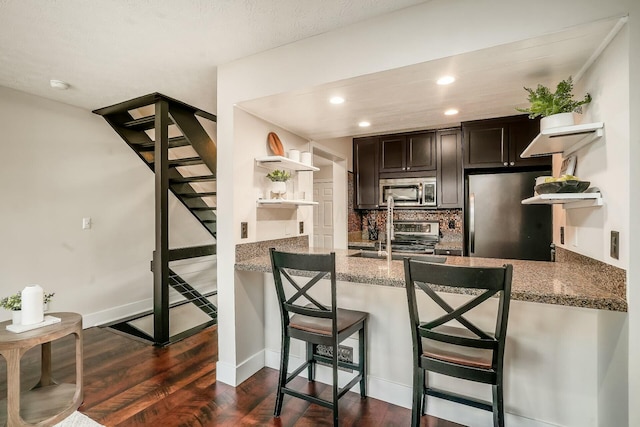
point(169, 138)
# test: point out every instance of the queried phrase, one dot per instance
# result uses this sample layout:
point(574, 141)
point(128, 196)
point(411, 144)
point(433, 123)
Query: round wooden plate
point(275, 145)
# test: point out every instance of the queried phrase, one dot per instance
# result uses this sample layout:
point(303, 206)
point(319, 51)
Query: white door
point(323, 214)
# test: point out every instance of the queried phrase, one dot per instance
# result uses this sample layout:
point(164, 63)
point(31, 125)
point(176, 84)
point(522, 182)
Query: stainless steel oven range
point(415, 237)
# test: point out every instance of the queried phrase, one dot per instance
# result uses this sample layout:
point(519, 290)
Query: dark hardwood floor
point(131, 383)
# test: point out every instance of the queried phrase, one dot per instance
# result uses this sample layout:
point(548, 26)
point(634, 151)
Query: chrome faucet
point(389, 227)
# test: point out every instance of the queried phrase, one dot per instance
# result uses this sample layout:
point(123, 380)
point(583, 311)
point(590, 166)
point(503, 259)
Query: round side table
point(48, 402)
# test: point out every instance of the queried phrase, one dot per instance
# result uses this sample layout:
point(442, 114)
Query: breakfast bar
point(564, 320)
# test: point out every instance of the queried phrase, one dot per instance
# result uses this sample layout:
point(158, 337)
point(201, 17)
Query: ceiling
point(489, 83)
point(114, 50)
point(110, 51)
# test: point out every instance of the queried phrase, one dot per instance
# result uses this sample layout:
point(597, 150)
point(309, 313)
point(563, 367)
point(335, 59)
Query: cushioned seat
point(305, 318)
point(345, 320)
point(462, 351)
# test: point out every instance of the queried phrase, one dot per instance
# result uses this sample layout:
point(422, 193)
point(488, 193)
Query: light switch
point(86, 223)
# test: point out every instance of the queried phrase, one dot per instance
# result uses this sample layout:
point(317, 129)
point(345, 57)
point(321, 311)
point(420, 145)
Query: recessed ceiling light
point(59, 84)
point(336, 100)
point(446, 80)
point(364, 124)
point(451, 112)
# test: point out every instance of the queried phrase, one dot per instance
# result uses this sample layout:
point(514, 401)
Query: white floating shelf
point(565, 139)
point(284, 203)
point(279, 162)
point(568, 200)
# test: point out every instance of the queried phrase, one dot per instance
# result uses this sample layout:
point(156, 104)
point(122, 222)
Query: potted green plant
point(278, 180)
point(13, 303)
point(556, 108)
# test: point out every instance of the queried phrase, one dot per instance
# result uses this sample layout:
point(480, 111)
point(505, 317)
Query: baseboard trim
point(123, 311)
point(235, 375)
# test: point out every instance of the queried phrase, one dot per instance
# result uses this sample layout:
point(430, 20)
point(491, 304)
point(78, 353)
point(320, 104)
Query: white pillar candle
point(32, 305)
point(305, 157)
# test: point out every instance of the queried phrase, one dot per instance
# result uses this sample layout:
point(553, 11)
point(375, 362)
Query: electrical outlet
point(562, 235)
point(615, 244)
point(244, 227)
point(301, 227)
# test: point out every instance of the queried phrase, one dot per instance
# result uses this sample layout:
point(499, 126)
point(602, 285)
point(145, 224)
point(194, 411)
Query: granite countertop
point(564, 283)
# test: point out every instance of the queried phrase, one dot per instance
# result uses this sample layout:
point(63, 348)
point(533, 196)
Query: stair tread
point(187, 161)
point(174, 142)
point(186, 179)
point(194, 195)
point(203, 208)
point(143, 123)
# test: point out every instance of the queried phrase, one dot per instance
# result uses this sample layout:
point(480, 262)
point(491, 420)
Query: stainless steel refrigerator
point(498, 225)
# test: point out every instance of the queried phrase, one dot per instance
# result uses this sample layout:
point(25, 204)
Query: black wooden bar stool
point(464, 350)
point(306, 319)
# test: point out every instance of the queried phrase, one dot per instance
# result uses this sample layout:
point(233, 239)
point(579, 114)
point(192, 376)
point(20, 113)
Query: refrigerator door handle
point(472, 225)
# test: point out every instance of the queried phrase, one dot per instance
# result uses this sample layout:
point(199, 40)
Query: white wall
point(604, 162)
point(61, 164)
point(409, 36)
point(342, 146)
point(633, 283)
point(266, 223)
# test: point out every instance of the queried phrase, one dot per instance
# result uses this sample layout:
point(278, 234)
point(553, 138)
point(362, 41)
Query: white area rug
point(78, 420)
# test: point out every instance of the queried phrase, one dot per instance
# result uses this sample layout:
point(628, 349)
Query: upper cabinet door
point(365, 169)
point(421, 152)
point(521, 134)
point(450, 178)
point(393, 154)
point(486, 145)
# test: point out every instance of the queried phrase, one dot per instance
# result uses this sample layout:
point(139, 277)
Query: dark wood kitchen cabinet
point(365, 169)
point(450, 178)
point(497, 143)
point(408, 153)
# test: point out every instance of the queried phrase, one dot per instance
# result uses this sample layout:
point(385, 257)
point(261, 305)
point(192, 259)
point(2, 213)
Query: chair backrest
point(483, 282)
point(315, 266)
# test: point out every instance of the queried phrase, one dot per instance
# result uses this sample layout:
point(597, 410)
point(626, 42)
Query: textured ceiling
point(114, 50)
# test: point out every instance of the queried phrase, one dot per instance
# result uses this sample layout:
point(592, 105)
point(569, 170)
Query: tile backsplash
point(447, 217)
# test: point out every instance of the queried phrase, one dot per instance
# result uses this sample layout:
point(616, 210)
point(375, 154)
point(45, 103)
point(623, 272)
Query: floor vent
point(345, 354)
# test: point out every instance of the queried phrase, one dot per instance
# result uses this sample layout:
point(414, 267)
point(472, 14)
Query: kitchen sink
point(417, 257)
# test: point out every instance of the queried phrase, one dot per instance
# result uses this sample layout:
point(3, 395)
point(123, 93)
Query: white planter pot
point(556, 121)
point(278, 188)
point(16, 317)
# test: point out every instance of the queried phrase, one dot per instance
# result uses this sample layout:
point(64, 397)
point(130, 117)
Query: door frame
point(340, 192)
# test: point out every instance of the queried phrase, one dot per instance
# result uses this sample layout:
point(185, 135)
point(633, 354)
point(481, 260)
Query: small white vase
point(556, 121)
point(278, 188)
point(16, 317)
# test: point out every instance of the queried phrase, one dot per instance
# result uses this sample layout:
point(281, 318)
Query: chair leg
point(334, 368)
point(362, 362)
point(417, 406)
point(311, 369)
point(282, 381)
point(498, 405)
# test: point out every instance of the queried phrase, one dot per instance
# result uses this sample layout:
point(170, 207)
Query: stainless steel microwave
point(413, 192)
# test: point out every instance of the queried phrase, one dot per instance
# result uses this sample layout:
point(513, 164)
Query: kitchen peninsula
point(562, 316)
point(578, 282)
